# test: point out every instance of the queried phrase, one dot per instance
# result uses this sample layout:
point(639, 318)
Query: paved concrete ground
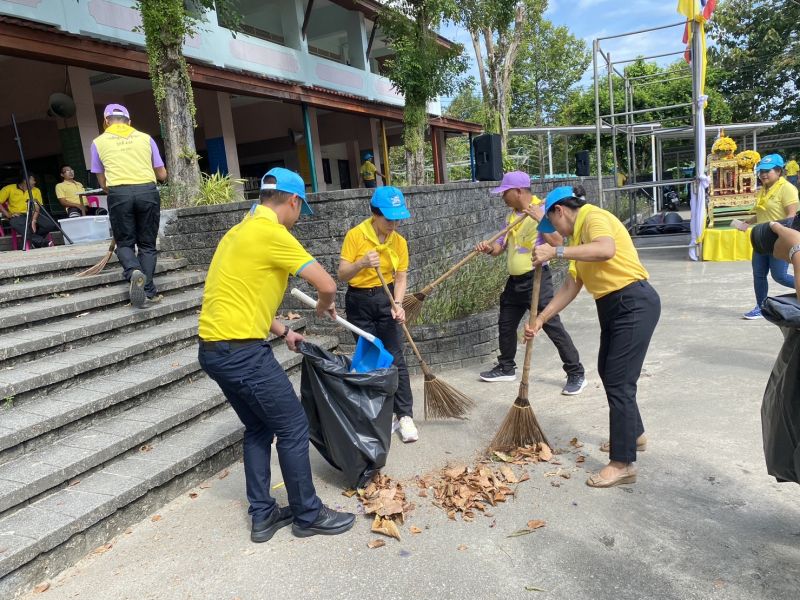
point(704, 521)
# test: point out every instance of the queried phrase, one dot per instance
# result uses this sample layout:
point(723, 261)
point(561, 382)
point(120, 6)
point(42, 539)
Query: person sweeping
point(376, 244)
point(604, 260)
point(515, 300)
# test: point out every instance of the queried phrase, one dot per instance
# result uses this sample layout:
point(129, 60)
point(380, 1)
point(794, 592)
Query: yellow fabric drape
point(369, 232)
point(726, 245)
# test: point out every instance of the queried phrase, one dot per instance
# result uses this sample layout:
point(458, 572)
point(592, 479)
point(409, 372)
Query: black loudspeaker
point(582, 163)
point(488, 157)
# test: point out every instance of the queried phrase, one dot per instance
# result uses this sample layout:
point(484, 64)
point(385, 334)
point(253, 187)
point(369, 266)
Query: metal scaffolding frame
point(626, 126)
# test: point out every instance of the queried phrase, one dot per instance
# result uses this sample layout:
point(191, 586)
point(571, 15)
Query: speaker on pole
point(582, 163)
point(488, 157)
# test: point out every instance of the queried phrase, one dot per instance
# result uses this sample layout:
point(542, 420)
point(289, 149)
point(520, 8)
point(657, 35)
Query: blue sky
point(590, 19)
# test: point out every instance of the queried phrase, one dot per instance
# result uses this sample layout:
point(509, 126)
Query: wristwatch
point(559, 251)
point(285, 332)
point(793, 250)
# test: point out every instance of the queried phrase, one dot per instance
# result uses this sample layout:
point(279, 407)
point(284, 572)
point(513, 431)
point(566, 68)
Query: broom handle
point(537, 284)
point(403, 325)
point(428, 288)
point(309, 301)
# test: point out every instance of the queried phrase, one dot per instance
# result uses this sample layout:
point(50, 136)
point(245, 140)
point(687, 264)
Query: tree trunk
point(414, 120)
point(177, 122)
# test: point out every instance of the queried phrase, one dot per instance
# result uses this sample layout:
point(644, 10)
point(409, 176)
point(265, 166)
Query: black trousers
point(264, 400)
point(135, 211)
point(515, 301)
point(369, 309)
point(628, 318)
point(38, 238)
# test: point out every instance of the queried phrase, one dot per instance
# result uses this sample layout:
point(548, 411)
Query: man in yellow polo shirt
point(515, 300)
point(792, 168)
point(68, 192)
point(244, 288)
point(375, 243)
point(127, 163)
point(16, 196)
point(369, 171)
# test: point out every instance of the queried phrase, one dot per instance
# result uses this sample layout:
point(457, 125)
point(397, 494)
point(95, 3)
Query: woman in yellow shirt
point(776, 200)
point(604, 260)
point(372, 244)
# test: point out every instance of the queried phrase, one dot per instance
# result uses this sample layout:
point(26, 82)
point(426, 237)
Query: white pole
point(549, 153)
point(653, 161)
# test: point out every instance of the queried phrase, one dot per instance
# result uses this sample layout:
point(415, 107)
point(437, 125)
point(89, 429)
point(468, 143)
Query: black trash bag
point(780, 409)
point(349, 414)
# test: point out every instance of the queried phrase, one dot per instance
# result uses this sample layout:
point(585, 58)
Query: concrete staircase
point(104, 412)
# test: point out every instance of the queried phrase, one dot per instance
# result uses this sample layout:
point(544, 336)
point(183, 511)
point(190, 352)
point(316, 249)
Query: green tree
point(756, 59)
point(497, 28)
point(467, 105)
point(551, 61)
point(421, 68)
point(166, 23)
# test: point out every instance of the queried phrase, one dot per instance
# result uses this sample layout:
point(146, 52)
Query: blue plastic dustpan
point(370, 353)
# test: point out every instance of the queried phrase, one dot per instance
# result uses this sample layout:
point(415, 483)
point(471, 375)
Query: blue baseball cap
point(367, 155)
point(770, 161)
point(391, 203)
point(289, 182)
point(553, 198)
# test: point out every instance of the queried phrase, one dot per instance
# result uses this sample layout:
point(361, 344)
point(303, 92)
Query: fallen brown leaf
point(502, 456)
point(385, 526)
point(462, 547)
point(42, 587)
point(508, 474)
point(565, 475)
point(102, 549)
point(204, 486)
point(193, 495)
point(146, 448)
point(580, 458)
point(224, 474)
point(536, 523)
point(575, 443)
point(129, 531)
point(155, 518)
point(413, 529)
point(74, 482)
point(422, 493)
point(349, 493)
point(375, 544)
point(292, 316)
point(545, 453)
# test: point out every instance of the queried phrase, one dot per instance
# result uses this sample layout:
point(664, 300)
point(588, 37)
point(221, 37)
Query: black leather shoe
point(328, 522)
point(281, 516)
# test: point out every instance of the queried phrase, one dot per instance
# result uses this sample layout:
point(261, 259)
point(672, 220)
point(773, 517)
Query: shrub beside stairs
point(105, 414)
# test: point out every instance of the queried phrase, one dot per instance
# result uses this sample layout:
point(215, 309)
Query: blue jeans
point(764, 264)
point(259, 391)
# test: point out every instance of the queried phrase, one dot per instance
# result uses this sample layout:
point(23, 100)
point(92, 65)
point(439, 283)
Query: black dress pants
point(515, 301)
point(135, 212)
point(44, 226)
point(369, 309)
point(628, 318)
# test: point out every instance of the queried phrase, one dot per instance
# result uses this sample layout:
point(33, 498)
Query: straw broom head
point(94, 270)
point(412, 304)
point(443, 401)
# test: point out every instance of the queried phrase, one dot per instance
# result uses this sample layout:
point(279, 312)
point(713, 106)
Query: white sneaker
point(408, 431)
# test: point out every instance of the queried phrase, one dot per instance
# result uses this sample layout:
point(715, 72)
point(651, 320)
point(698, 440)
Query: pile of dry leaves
point(469, 490)
point(386, 499)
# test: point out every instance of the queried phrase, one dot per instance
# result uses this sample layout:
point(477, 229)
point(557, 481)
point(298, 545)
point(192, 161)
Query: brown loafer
point(641, 444)
point(598, 481)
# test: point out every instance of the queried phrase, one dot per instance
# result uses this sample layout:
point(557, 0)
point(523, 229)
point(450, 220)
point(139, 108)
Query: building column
point(376, 141)
point(292, 14)
point(85, 113)
point(354, 162)
point(312, 138)
point(439, 141)
point(220, 135)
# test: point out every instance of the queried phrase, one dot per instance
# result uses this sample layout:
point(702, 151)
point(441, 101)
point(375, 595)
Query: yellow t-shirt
point(356, 245)
point(248, 276)
point(519, 242)
point(792, 168)
point(771, 204)
point(602, 278)
point(70, 190)
point(18, 199)
point(368, 170)
point(126, 155)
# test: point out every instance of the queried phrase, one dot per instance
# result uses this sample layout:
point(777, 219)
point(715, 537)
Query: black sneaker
point(281, 516)
point(328, 522)
point(498, 373)
point(136, 291)
point(574, 386)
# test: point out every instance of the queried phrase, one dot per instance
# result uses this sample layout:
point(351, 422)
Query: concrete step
point(106, 355)
point(51, 262)
point(52, 532)
point(43, 310)
point(65, 284)
point(77, 332)
point(38, 421)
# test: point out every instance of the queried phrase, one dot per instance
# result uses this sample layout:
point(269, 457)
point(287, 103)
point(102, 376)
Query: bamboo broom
point(412, 303)
point(442, 401)
point(520, 427)
point(94, 270)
